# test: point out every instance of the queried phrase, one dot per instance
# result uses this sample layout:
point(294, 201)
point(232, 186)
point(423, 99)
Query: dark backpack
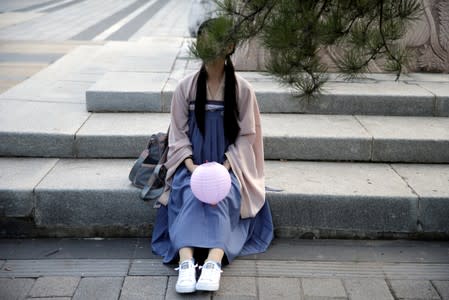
point(148, 172)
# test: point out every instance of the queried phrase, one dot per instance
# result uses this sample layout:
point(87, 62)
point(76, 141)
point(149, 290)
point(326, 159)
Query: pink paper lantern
point(210, 182)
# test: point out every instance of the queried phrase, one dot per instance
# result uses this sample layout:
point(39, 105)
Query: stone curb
point(65, 130)
point(367, 97)
point(87, 197)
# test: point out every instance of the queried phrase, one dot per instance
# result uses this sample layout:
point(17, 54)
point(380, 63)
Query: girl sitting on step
point(214, 117)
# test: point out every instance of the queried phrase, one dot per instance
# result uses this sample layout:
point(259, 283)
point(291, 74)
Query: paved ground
point(34, 34)
point(290, 269)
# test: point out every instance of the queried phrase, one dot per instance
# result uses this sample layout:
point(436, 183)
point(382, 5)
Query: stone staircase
point(366, 159)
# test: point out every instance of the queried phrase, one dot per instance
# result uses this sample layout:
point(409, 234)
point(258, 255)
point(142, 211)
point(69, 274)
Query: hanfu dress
point(187, 222)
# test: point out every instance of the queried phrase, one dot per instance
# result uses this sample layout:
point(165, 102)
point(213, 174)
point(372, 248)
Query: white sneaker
point(210, 277)
point(186, 277)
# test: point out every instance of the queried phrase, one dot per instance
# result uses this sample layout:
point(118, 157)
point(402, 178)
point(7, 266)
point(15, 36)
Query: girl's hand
point(227, 165)
point(190, 165)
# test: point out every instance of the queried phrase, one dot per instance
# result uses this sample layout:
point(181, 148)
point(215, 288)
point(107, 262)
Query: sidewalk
point(290, 269)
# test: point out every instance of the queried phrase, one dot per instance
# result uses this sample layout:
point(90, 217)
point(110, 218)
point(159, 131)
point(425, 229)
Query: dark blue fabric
point(188, 222)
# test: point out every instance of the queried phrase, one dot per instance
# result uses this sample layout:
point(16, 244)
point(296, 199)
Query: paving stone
point(173, 295)
point(18, 178)
point(442, 288)
point(340, 196)
point(161, 64)
point(417, 271)
point(237, 288)
point(105, 191)
point(323, 288)
point(96, 288)
point(279, 288)
point(413, 289)
point(151, 267)
point(379, 98)
point(66, 91)
point(408, 139)
point(44, 129)
point(431, 183)
point(65, 267)
point(367, 288)
point(16, 288)
point(50, 286)
point(127, 91)
point(441, 92)
point(428, 77)
point(315, 137)
point(50, 298)
point(143, 287)
point(97, 130)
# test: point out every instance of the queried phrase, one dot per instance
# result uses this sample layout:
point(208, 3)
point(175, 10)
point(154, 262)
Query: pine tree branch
point(387, 48)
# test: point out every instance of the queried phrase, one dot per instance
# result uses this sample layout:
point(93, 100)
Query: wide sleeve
point(246, 155)
point(179, 144)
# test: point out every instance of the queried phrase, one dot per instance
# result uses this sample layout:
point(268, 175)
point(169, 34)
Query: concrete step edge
point(286, 136)
point(77, 197)
point(152, 92)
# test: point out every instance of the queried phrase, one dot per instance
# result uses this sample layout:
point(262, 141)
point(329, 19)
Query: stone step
point(38, 129)
point(93, 197)
point(377, 94)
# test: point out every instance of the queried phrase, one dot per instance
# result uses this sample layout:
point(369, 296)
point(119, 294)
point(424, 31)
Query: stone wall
point(428, 38)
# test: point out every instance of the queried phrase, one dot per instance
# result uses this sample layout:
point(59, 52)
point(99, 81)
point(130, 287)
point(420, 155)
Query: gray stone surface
point(323, 288)
point(315, 137)
point(80, 196)
point(171, 293)
point(54, 286)
point(364, 288)
point(151, 267)
point(431, 183)
point(279, 288)
point(91, 193)
point(408, 139)
point(413, 271)
point(18, 177)
point(318, 269)
point(441, 92)
point(127, 91)
point(442, 288)
point(144, 287)
point(237, 288)
point(118, 135)
point(379, 98)
point(39, 129)
point(413, 289)
point(16, 288)
point(340, 196)
point(107, 288)
point(50, 298)
point(65, 267)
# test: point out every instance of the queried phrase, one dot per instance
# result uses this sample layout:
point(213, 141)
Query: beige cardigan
point(246, 155)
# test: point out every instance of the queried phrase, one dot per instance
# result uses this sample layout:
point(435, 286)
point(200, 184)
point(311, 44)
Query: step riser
point(271, 102)
point(328, 149)
point(89, 197)
point(124, 214)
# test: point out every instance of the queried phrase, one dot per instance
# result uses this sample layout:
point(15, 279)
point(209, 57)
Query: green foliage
point(294, 31)
point(215, 39)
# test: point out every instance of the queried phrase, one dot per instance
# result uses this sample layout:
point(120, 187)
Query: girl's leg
point(216, 255)
point(185, 254)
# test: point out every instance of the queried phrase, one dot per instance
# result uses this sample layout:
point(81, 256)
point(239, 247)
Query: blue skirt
point(188, 222)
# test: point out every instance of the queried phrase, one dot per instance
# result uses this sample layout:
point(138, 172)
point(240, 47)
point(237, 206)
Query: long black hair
point(231, 112)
